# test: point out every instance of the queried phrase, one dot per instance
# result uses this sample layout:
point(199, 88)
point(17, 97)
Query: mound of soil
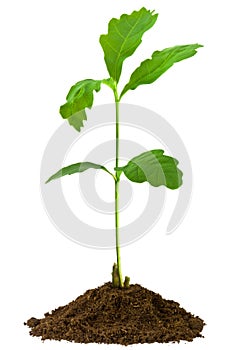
point(118, 316)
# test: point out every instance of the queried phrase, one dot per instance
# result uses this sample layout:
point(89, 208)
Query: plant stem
point(117, 194)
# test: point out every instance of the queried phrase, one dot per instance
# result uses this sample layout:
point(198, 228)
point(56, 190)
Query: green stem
point(117, 184)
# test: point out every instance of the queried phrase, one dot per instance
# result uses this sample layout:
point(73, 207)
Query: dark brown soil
point(120, 316)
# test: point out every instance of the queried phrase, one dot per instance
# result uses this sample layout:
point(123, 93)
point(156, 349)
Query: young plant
point(123, 37)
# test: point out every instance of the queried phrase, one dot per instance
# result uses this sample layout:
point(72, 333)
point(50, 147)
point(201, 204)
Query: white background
point(46, 46)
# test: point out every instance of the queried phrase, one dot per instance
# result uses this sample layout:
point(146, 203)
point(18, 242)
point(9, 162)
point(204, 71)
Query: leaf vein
point(126, 38)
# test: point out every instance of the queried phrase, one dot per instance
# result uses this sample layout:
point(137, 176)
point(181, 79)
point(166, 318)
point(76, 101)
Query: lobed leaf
point(123, 38)
point(80, 96)
point(76, 168)
point(151, 69)
point(155, 168)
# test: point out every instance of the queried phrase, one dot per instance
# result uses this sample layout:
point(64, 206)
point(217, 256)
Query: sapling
point(123, 37)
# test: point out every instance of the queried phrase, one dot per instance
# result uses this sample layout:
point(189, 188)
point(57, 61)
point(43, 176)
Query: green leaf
point(76, 120)
point(155, 168)
point(76, 168)
point(123, 38)
point(80, 96)
point(151, 69)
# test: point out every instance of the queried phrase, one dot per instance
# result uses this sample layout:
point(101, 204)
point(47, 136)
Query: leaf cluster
point(121, 41)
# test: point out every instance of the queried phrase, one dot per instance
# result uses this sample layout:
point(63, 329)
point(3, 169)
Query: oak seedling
point(123, 38)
